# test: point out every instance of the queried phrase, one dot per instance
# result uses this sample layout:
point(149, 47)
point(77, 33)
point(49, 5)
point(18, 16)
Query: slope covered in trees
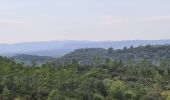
point(112, 80)
point(98, 55)
point(29, 59)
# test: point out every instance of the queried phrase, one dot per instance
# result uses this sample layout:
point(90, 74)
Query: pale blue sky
point(43, 20)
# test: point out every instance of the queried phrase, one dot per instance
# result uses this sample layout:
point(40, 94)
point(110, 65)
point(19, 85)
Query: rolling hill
point(99, 55)
point(60, 48)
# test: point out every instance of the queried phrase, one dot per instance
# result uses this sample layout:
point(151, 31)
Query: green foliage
point(92, 55)
point(166, 94)
point(158, 77)
point(98, 97)
point(5, 94)
point(129, 94)
point(108, 79)
point(53, 95)
point(28, 59)
point(110, 50)
point(117, 89)
point(17, 98)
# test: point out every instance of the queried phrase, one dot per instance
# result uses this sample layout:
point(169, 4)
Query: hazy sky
point(43, 20)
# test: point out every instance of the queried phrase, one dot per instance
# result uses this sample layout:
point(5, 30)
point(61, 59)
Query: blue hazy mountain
point(59, 48)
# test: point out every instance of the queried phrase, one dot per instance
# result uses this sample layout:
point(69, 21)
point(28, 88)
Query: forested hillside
point(98, 55)
point(114, 79)
point(29, 59)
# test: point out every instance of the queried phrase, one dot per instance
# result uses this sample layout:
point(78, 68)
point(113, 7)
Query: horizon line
point(25, 42)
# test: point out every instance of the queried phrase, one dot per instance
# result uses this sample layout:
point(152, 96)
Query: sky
point(96, 20)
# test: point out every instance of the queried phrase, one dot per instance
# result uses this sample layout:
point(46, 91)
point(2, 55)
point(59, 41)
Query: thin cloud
point(111, 20)
point(161, 18)
point(9, 22)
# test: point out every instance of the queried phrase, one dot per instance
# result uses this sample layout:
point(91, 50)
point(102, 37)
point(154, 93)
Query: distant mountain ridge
point(60, 48)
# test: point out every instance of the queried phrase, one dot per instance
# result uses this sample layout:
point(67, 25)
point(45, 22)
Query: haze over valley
point(60, 48)
point(85, 50)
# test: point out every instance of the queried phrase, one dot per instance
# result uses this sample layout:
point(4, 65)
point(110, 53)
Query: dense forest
point(135, 73)
point(29, 59)
point(93, 56)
